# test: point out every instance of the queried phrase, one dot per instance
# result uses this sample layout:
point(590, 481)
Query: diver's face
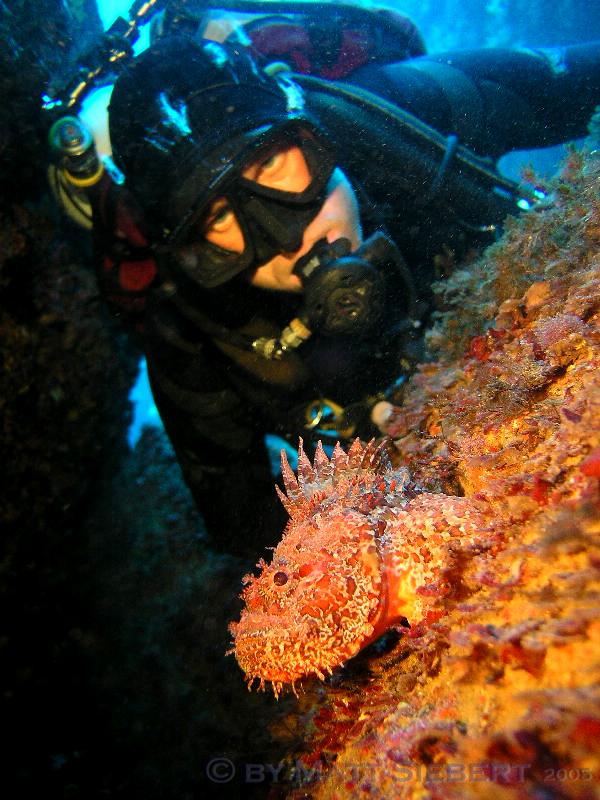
point(285, 169)
point(338, 218)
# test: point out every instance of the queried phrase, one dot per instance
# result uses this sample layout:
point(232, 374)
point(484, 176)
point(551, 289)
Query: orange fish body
point(364, 549)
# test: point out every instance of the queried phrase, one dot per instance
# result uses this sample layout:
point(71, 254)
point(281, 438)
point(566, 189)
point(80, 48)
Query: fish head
point(315, 604)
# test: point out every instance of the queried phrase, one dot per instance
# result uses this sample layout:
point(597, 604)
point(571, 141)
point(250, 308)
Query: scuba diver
point(280, 198)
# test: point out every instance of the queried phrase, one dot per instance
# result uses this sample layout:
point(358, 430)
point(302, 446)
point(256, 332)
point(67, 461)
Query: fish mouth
point(266, 657)
point(286, 653)
point(272, 649)
point(258, 623)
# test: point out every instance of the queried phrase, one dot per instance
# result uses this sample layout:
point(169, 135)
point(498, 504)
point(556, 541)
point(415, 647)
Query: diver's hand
point(381, 414)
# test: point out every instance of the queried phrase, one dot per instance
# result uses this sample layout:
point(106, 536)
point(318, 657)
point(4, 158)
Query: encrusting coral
point(496, 695)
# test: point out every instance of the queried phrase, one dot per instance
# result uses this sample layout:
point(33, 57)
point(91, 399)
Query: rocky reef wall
point(496, 694)
point(65, 374)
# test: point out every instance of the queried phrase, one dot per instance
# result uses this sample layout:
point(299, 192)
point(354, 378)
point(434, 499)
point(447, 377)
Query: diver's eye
point(284, 169)
point(222, 228)
point(280, 578)
point(268, 167)
point(271, 164)
point(220, 219)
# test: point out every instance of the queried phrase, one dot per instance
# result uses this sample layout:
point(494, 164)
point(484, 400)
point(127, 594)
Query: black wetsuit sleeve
point(218, 443)
point(496, 100)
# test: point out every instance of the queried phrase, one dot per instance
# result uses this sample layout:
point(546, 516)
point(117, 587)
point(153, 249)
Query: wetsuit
point(216, 398)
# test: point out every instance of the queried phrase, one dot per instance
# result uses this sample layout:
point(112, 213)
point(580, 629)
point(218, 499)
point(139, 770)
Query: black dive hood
point(182, 118)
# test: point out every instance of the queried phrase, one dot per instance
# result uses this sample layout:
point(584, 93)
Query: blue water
point(451, 24)
point(109, 10)
point(144, 409)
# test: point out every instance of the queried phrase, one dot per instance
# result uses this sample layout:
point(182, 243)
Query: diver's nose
point(292, 244)
point(280, 232)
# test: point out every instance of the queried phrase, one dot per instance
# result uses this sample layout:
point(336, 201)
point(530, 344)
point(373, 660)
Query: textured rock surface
point(499, 697)
point(65, 373)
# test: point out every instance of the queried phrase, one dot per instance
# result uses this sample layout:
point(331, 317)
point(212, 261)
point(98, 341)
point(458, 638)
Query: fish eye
point(280, 578)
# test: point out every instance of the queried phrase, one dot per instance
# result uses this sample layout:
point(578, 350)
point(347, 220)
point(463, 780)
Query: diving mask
point(270, 220)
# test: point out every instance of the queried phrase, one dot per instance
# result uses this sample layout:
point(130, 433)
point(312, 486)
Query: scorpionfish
point(365, 549)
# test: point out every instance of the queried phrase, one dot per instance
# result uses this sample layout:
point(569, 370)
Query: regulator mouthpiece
point(344, 292)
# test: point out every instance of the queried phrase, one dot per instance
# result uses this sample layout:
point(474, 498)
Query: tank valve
point(75, 153)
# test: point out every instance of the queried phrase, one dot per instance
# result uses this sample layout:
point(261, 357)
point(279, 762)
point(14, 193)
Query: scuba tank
point(87, 187)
